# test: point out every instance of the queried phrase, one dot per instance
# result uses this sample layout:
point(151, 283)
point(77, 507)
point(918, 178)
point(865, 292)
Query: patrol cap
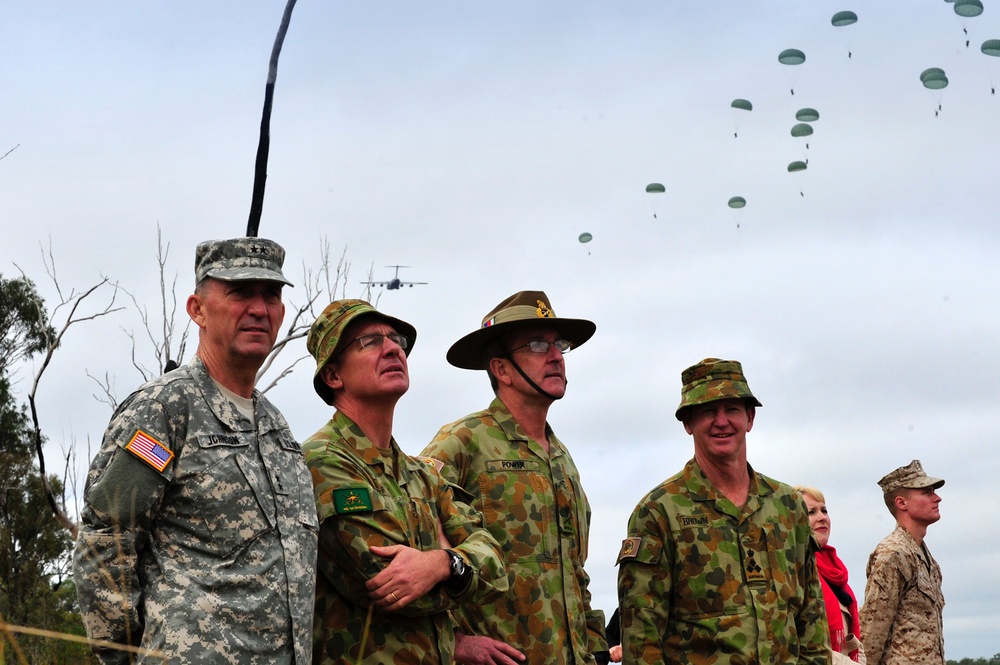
point(523, 309)
point(911, 476)
point(711, 380)
point(240, 259)
point(325, 332)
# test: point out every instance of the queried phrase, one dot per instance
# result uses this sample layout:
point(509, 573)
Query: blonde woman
point(841, 604)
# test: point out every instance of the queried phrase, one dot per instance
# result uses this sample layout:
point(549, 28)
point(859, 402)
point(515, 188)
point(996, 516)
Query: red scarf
point(833, 571)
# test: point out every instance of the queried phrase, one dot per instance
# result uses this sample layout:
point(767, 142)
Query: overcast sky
point(474, 142)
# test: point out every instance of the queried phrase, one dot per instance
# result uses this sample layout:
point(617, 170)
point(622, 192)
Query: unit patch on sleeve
point(352, 500)
point(149, 450)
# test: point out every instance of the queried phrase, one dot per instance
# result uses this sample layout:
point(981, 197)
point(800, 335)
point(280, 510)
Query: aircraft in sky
point(394, 283)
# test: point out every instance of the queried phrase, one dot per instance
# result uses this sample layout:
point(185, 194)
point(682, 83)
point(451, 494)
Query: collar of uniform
point(221, 406)
point(514, 432)
point(700, 489)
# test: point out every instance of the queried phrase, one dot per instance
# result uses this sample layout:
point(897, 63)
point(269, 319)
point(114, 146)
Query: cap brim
point(467, 353)
point(249, 275)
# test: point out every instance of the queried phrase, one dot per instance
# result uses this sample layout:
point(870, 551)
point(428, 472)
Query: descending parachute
point(807, 115)
point(798, 167)
point(739, 106)
point(967, 9)
point(934, 79)
point(655, 188)
point(842, 21)
point(585, 237)
point(802, 129)
point(991, 47)
point(737, 203)
point(791, 56)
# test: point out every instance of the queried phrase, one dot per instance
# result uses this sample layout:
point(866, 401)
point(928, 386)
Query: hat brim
point(467, 353)
point(249, 275)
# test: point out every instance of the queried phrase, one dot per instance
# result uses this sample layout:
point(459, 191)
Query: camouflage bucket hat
point(523, 309)
point(911, 476)
point(240, 259)
point(327, 329)
point(711, 380)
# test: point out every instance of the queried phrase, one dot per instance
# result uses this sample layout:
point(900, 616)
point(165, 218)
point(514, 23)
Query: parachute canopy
point(968, 8)
point(841, 19)
point(802, 129)
point(930, 70)
point(797, 166)
point(655, 188)
point(742, 104)
point(991, 47)
point(807, 115)
point(586, 237)
point(737, 202)
point(793, 56)
point(934, 80)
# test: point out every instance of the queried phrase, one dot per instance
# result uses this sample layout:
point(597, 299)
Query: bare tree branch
point(73, 304)
point(11, 150)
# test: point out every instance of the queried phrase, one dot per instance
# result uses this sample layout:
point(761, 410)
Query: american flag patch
point(149, 450)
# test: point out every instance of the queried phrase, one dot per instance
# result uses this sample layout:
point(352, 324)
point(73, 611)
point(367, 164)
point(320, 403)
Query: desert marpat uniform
point(362, 503)
point(534, 505)
point(701, 581)
point(901, 617)
point(198, 535)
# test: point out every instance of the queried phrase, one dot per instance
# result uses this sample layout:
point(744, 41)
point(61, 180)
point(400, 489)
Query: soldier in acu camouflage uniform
point(397, 550)
point(198, 536)
point(901, 618)
point(523, 480)
point(719, 565)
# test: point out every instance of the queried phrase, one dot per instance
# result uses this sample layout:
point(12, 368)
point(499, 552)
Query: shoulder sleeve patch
point(352, 500)
point(149, 450)
point(630, 547)
point(431, 461)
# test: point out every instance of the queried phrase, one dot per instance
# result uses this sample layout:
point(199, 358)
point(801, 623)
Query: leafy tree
point(35, 586)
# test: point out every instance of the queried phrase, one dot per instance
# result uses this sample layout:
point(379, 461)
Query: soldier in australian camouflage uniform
point(198, 536)
point(524, 481)
point(719, 565)
point(901, 619)
point(397, 550)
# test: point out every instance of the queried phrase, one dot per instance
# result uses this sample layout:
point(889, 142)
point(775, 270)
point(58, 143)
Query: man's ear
point(330, 376)
point(196, 309)
point(498, 367)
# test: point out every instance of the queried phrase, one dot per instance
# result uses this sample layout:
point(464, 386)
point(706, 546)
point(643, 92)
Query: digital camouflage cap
point(240, 259)
point(326, 331)
point(711, 380)
point(911, 476)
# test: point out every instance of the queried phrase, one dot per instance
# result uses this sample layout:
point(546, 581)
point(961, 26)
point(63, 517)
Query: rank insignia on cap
point(149, 450)
point(352, 500)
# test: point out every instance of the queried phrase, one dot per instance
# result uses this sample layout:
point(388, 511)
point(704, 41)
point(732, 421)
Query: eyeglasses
point(375, 341)
point(541, 346)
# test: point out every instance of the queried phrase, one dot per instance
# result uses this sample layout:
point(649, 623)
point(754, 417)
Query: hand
point(409, 575)
point(616, 653)
point(482, 650)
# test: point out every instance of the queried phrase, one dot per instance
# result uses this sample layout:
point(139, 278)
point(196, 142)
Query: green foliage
point(36, 589)
point(995, 660)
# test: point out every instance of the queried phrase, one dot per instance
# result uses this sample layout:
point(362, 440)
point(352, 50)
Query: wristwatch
point(458, 567)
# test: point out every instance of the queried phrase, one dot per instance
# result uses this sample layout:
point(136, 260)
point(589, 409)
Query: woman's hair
point(812, 492)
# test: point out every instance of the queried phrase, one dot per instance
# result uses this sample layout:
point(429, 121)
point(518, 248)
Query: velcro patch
point(508, 465)
point(352, 500)
point(149, 450)
point(630, 547)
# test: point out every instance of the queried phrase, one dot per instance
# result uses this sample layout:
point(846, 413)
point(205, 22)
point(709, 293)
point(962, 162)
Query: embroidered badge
point(630, 547)
point(754, 573)
point(149, 450)
point(432, 461)
point(352, 500)
point(543, 310)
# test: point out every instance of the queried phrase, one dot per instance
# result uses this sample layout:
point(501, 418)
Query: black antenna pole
point(260, 168)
